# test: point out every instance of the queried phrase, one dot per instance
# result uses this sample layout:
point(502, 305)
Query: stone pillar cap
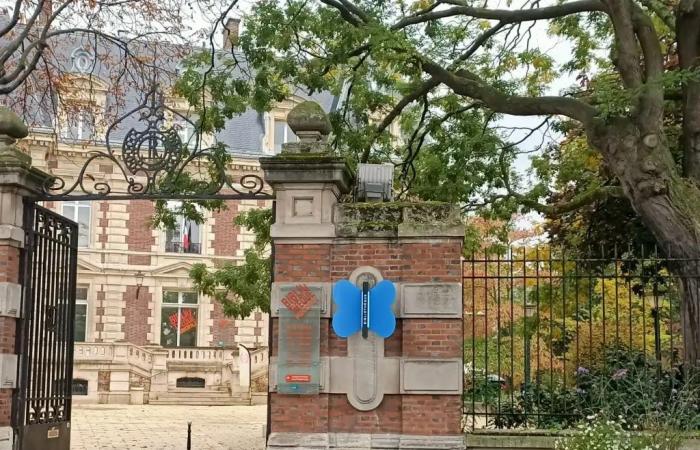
point(11, 125)
point(307, 119)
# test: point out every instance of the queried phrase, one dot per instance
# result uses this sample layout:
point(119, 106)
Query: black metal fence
point(551, 338)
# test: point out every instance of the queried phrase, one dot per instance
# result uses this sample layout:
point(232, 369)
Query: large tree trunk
point(690, 314)
point(667, 204)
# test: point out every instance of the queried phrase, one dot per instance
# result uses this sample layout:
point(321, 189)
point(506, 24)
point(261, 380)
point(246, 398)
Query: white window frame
point(77, 204)
point(172, 205)
point(287, 133)
point(82, 114)
point(186, 130)
point(179, 306)
point(84, 301)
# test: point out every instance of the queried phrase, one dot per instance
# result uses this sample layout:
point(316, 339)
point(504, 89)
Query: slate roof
point(242, 134)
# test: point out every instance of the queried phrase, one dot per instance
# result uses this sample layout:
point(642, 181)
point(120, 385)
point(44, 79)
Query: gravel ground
point(165, 427)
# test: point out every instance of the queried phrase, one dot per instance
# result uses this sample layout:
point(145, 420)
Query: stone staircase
point(199, 397)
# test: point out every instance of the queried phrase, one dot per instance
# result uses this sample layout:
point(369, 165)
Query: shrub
point(606, 434)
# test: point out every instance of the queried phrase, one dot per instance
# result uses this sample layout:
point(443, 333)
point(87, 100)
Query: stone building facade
point(142, 333)
point(137, 314)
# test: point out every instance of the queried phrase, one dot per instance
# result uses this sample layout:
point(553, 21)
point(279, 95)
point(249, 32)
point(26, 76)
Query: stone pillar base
point(357, 441)
point(6, 438)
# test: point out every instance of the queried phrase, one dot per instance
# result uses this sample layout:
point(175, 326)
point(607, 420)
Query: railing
point(177, 247)
point(84, 351)
point(551, 338)
point(115, 353)
point(202, 354)
point(259, 360)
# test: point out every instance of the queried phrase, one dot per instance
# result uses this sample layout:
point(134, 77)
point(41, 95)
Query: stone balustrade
point(133, 369)
point(224, 356)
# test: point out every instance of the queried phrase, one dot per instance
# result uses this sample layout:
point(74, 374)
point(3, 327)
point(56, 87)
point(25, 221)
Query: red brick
point(225, 240)
point(344, 418)
point(5, 407)
point(140, 237)
point(9, 272)
point(431, 415)
point(136, 315)
point(438, 338)
point(223, 329)
point(299, 413)
point(436, 261)
point(9, 264)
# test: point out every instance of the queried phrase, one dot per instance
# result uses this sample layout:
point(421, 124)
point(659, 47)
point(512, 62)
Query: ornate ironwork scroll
point(154, 163)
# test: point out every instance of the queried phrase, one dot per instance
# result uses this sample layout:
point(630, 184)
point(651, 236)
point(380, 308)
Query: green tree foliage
point(435, 72)
point(244, 288)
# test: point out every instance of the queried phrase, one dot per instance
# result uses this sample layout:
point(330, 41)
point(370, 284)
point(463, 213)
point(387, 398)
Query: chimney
point(231, 33)
point(46, 10)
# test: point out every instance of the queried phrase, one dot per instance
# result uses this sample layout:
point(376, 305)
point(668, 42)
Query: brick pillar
point(400, 392)
point(17, 180)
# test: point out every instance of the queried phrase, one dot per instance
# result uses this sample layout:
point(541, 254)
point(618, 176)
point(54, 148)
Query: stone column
point(17, 180)
point(400, 392)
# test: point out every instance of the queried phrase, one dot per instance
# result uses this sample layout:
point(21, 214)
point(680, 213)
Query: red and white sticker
point(298, 378)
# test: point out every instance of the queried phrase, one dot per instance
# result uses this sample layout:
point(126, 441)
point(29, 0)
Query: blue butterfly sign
point(364, 309)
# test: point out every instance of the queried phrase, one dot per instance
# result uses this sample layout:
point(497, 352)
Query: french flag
point(186, 237)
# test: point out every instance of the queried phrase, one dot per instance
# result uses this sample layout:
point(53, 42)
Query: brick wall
point(136, 314)
point(299, 413)
point(414, 261)
point(9, 272)
point(431, 414)
point(225, 240)
point(344, 418)
point(140, 236)
point(9, 264)
point(224, 329)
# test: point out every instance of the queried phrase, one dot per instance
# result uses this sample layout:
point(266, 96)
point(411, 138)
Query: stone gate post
point(327, 392)
point(17, 180)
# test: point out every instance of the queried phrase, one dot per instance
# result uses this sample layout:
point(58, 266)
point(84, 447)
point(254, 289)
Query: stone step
point(196, 394)
point(231, 401)
point(215, 390)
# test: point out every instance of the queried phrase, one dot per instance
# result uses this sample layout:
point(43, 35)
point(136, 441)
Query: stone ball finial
point(308, 118)
point(11, 125)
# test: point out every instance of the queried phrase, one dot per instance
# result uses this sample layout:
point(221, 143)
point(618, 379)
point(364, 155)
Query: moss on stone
point(394, 218)
point(11, 156)
point(309, 116)
point(11, 125)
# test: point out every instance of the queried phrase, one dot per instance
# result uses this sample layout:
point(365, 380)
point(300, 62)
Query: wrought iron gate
point(43, 398)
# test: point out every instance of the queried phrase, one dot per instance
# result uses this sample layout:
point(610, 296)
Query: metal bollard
point(189, 435)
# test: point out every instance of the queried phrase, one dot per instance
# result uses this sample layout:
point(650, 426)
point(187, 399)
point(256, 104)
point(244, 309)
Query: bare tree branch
point(504, 15)
point(586, 198)
point(468, 84)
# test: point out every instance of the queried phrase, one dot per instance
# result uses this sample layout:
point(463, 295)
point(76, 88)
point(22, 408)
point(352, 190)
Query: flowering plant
point(602, 434)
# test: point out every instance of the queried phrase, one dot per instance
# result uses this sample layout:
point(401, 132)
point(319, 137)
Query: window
point(185, 238)
point(80, 387)
point(79, 126)
point(283, 134)
point(81, 305)
point(186, 131)
point(80, 213)
point(178, 327)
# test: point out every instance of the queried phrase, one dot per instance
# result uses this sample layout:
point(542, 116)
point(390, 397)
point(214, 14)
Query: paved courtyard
point(165, 427)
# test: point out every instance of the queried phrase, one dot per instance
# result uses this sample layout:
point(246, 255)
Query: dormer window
point(79, 125)
point(283, 135)
point(186, 131)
